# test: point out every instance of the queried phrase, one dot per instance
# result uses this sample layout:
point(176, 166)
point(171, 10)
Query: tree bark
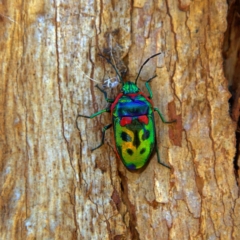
point(52, 185)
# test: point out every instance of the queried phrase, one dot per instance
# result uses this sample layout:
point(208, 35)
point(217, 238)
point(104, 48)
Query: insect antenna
point(91, 78)
point(144, 64)
point(109, 61)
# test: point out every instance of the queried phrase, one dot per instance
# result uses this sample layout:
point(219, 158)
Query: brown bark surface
point(52, 186)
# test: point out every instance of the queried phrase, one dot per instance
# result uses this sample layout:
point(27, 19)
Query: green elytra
point(133, 122)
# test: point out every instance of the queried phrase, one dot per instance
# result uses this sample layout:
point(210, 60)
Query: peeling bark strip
point(52, 186)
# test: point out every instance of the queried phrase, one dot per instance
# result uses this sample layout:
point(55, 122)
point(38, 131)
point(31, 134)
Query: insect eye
point(125, 137)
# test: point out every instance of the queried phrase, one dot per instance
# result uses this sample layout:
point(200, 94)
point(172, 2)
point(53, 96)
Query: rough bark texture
point(231, 53)
point(52, 186)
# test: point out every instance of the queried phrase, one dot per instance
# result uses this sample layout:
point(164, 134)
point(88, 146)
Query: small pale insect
point(111, 82)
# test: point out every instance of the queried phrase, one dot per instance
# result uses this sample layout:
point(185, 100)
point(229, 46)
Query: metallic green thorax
point(129, 87)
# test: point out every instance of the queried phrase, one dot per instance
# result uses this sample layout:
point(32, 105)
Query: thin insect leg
point(144, 64)
point(90, 78)
point(162, 118)
point(105, 94)
point(103, 136)
point(92, 116)
point(148, 87)
point(158, 157)
point(95, 114)
point(114, 63)
point(109, 61)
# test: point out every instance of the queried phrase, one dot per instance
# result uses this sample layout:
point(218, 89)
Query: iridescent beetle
point(133, 122)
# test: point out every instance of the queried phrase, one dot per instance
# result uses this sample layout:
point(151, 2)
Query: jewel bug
point(133, 122)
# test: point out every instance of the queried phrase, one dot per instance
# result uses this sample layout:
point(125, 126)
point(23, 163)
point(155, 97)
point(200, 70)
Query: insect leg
point(158, 157)
point(148, 86)
point(95, 114)
point(103, 136)
point(105, 94)
point(109, 61)
point(162, 118)
point(92, 116)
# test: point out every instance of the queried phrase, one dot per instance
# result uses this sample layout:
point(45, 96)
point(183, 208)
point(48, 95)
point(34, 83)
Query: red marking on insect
point(132, 95)
point(125, 120)
point(143, 119)
point(115, 102)
point(147, 98)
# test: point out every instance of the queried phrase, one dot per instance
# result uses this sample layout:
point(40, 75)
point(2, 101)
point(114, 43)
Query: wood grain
point(52, 186)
